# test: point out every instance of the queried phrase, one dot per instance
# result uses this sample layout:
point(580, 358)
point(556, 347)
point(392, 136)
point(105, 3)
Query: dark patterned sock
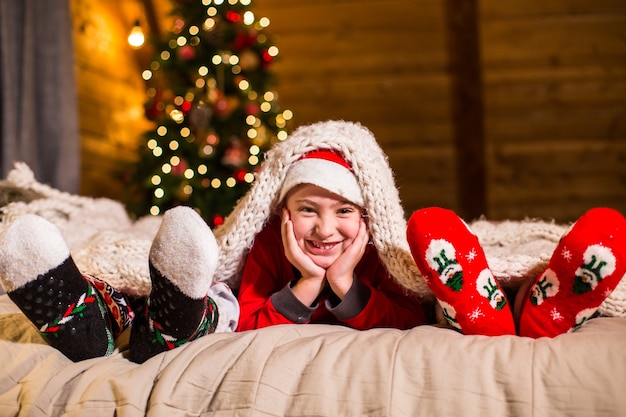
point(118, 306)
point(68, 312)
point(39, 275)
point(170, 319)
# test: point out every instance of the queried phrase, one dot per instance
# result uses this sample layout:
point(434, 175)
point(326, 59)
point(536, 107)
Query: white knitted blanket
point(105, 242)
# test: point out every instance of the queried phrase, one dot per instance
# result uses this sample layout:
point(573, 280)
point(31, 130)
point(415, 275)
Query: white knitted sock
point(185, 251)
point(29, 247)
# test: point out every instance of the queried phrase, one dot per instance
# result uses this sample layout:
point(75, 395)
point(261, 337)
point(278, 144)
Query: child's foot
point(586, 266)
point(39, 275)
point(183, 258)
point(453, 263)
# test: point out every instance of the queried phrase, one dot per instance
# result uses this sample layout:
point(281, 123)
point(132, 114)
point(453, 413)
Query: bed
point(305, 370)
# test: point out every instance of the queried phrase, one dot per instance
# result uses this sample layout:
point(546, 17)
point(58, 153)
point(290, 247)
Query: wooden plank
point(511, 97)
point(391, 99)
point(497, 9)
point(538, 125)
point(317, 17)
point(558, 210)
point(425, 176)
point(467, 105)
point(554, 41)
point(409, 134)
point(557, 189)
point(358, 58)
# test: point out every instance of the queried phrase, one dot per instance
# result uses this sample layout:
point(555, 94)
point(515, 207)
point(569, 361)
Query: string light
point(136, 37)
point(248, 18)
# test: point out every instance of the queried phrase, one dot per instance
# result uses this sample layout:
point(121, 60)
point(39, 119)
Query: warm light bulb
point(136, 37)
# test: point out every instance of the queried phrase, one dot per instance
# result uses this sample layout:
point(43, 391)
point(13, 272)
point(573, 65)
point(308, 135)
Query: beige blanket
point(305, 370)
point(316, 370)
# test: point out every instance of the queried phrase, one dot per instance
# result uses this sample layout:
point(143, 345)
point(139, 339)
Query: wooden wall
point(380, 63)
point(552, 87)
point(548, 113)
point(111, 95)
point(555, 106)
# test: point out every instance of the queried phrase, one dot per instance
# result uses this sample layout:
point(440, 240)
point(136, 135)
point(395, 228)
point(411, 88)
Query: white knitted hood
point(357, 144)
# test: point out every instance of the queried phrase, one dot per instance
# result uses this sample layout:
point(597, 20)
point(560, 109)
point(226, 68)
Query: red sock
point(454, 265)
point(586, 266)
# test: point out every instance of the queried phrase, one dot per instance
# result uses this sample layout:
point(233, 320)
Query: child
point(586, 266)
point(312, 264)
point(324, 272)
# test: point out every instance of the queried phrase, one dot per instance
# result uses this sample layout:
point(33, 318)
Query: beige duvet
point(315, 370)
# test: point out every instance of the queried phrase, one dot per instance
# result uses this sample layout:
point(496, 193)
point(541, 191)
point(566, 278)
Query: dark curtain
point(38, 102)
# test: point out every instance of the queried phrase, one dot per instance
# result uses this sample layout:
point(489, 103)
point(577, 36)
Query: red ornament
point(252, 108)
point(233, 17)
point(240, 175)
point(244, 40)
point(180, 168)
point(266, 58)
point(186, 52)
point(186, 107)
point(218, 220)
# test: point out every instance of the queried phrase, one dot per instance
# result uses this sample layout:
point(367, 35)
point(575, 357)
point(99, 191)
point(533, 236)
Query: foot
point(454, 265)
point(183, 259)
point(39, 275)
point(586, 266)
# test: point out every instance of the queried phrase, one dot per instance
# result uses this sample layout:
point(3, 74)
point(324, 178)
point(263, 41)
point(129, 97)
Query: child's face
point(324, 224)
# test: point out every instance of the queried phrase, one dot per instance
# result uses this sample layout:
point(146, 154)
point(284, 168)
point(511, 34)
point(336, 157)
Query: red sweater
point(266, 299)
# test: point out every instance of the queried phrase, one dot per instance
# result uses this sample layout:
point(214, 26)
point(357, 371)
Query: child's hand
point(340, 274)
point(312, 282)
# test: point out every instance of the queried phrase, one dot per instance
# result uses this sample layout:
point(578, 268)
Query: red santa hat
point(326, 169)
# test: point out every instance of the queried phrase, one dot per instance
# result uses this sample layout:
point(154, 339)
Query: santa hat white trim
point(324, 173)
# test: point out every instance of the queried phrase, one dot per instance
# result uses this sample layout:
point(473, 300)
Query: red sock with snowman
point(586, 266)
point(454, 265)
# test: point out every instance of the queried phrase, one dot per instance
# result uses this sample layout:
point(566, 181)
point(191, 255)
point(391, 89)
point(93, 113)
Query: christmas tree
point(214, 112)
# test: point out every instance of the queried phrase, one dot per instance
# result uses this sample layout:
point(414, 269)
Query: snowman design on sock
point(449, 313)
point(487, 287)
point(546, 286)
point(441, 256)
point(598, 262)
